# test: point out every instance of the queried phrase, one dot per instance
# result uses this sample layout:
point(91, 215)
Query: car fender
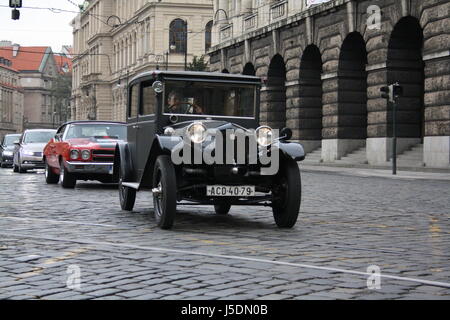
point(122, 161)
point(292, 150)
point(161, 145)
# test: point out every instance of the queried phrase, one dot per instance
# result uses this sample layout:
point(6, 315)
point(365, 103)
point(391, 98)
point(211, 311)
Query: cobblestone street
point(347, 223)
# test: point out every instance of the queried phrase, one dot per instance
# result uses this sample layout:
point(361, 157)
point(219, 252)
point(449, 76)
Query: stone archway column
point(334, 147)
point(437, 110)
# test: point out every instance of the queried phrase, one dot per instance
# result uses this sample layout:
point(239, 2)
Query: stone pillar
point(437, 110)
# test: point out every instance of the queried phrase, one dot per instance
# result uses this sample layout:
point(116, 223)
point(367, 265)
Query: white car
point(29, 150)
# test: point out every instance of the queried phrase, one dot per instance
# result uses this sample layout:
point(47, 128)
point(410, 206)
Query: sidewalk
point(372, 172)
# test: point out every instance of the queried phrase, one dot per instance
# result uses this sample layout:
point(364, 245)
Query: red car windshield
point(96, 131)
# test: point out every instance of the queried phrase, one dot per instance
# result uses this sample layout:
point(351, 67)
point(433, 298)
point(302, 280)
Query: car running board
point(131, 185)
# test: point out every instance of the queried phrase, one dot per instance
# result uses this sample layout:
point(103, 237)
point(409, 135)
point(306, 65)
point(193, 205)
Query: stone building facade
point(131, 36)
point(324, 65)
point(37, 69)
point(11, 99)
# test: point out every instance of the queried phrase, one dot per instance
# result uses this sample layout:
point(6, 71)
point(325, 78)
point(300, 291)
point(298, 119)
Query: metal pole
point(185, 45)
point(394, 137)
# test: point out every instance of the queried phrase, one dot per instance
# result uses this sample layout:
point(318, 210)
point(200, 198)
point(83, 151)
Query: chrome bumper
point(90, 167)
point(32, 162)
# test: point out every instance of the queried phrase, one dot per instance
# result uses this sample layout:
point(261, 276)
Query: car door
point(146, 125)
point(133, 125)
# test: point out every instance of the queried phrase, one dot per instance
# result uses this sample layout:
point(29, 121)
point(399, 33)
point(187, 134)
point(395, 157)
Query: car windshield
point(10, 140)
point(189, 97)
point(97, 131)
point(38, 136)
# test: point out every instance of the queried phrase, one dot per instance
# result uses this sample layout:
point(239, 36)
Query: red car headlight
point(74, 154)
point(85, 154)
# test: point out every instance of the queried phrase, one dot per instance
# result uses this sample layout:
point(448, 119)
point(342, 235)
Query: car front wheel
point(287, 193)
point(50, 176)
point(127, 195)
point(66, 179)
point(164, 192)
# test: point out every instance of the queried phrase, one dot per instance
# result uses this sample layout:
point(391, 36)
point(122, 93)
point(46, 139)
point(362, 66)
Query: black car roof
point(198, 75)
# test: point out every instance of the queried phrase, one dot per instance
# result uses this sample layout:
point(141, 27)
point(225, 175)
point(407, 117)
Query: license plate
point(230, 191)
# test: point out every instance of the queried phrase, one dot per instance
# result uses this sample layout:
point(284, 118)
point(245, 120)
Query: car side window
point(133, 101)
point(148, 99)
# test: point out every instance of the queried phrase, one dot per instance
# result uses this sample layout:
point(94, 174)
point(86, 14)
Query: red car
point(82, 150)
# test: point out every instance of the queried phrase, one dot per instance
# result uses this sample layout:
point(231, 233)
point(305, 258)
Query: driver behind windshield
point(176, 104)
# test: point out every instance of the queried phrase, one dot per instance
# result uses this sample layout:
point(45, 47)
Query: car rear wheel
point(164, 192)
point(50, 176)
point(127, 195)
point(66, 179)
point(287, 190)
point(222, 207)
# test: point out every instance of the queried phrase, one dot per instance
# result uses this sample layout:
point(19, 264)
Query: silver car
point(28, 151)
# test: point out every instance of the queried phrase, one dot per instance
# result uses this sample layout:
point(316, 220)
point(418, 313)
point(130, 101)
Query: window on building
point(178, 36)
point(208, 30)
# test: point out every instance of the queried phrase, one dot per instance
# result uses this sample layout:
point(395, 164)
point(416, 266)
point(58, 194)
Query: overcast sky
point(38, 27)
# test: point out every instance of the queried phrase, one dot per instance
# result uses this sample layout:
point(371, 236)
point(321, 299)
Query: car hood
point(34, 147)
point(91, 143)
point(8, 148)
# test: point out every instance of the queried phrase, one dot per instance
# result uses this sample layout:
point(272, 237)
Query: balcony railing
point(278, 10)
point(226, 32)
point(250, 22)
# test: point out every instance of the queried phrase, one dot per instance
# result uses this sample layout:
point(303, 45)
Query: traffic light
point(387, 92)
point(15, 15)
point(391, 92)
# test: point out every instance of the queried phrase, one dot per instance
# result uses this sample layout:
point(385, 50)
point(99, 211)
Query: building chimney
point(15, 49)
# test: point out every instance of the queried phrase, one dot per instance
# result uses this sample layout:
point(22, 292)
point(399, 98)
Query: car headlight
point(264, 136)
point(28, 153)
point(7, 153)
point(197, 132)
point(85, 154)
point(74, 154)
point(169, 131)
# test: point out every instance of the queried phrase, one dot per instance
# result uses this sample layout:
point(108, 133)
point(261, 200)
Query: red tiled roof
point(27, 58)
point(62, 61)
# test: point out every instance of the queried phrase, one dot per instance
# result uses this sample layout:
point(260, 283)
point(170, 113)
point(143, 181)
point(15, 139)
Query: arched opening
point(249, 70)
point(276, 94)
point(352, 88)
point(405, 66)
point(208, 30)
point(310, 92)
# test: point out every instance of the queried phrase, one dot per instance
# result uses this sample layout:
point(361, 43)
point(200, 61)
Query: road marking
point(38, 270)
point(204, 254)
point(60, 221)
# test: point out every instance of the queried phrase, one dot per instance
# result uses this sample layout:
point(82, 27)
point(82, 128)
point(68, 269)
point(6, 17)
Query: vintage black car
point(195, 138)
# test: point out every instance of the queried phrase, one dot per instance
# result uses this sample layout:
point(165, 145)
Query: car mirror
point(285, 134)
point(17, 143)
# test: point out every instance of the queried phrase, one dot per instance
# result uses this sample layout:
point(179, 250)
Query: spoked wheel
point(50, 176)
point(287, 190)
point(127, 195)
point(222, 207)
point(66, 179)
point(164, 192)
